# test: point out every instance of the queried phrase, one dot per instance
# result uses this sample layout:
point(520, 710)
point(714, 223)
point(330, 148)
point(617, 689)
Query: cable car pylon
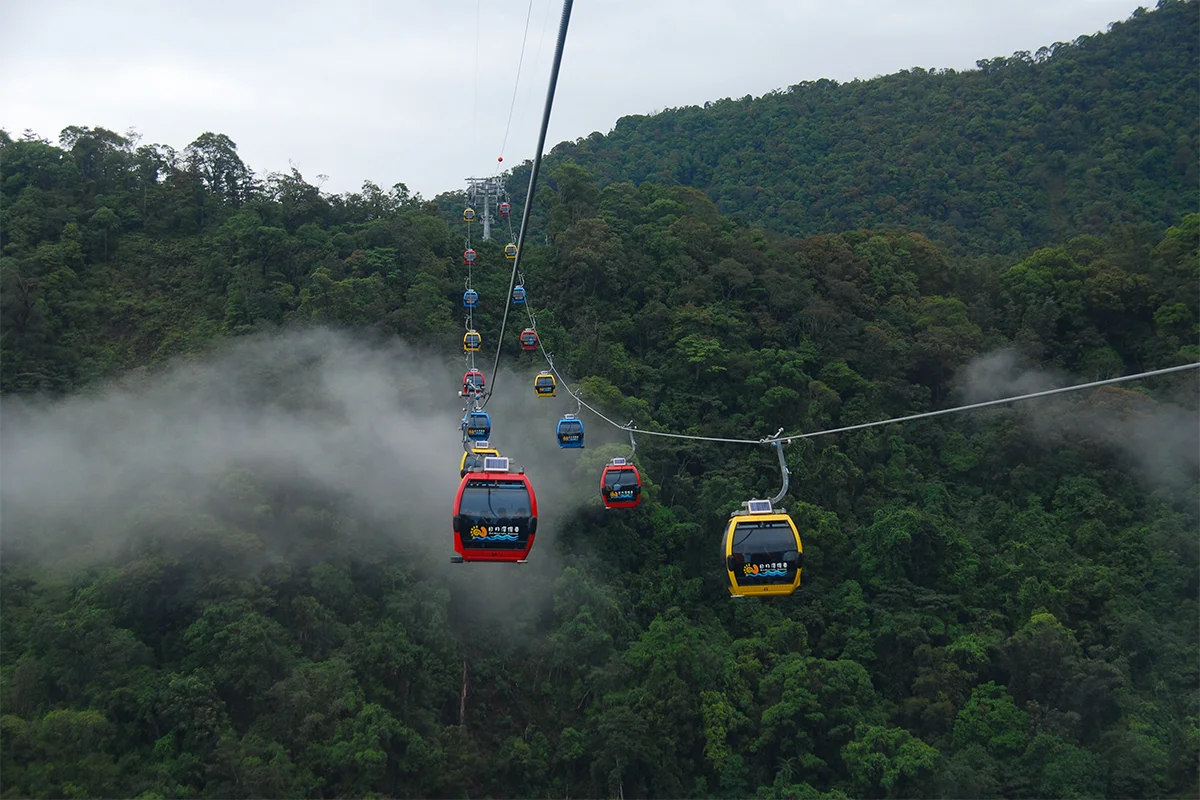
point(486, 190)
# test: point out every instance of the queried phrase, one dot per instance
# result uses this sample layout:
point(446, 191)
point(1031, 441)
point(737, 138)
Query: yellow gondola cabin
point(472, 461)
point(763, 552)
point(544, 384)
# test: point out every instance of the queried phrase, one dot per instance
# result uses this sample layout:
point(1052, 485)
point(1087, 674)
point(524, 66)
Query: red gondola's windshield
point(763, 538)
point(625, 477)
point(495, 500)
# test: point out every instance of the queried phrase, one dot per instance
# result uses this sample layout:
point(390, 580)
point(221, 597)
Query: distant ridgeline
point(1027, 150)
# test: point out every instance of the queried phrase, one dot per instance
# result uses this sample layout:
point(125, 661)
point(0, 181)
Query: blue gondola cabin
point(570, 431)
point(477, 425)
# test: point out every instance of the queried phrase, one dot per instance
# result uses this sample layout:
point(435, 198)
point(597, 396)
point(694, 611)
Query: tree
point(889, 762)
point(213, 157)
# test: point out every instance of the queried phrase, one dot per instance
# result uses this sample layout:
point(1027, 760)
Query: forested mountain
point(1025, 152)
point(997, 604)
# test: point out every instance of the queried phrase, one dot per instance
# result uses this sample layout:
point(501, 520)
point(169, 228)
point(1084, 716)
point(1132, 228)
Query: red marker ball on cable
point(500, 158)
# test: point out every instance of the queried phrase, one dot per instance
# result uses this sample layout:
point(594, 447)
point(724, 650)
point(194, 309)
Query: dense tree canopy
point(994, 605)
point(1024, 152)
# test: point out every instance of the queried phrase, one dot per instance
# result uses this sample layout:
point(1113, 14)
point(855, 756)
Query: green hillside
point(1026, 151)
point(999, 604)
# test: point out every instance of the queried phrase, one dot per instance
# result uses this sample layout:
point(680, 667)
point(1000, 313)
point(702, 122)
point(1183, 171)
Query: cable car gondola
point(529, 341)
point(468, 214)
point(495, 514)
point(472, 460)
point(620, 484)
point(468, 256)
point(544, 384)
point(473, 382)
point(510, 250)
point(477, 425)
point(518, 295)
point(570, 431)
point(471, 341)
point(470, 298)
point(763, 553)
point(505, 209)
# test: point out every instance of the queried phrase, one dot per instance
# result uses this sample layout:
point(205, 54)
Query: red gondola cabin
point(473, 382)
point(495, 514)
point(620, 484)
point(529, 340)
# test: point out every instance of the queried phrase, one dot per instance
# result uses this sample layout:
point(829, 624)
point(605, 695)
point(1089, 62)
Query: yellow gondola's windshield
point(495, 500)
point(763, 538)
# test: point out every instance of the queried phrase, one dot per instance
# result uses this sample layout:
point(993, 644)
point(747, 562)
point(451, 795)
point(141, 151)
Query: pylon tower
point(486, 192)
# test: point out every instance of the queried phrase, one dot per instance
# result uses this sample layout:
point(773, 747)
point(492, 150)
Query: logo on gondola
point(773, 570)
point(498, 533)
point(622, 494)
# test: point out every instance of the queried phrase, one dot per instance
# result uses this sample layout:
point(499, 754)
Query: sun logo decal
point(478, 532)
point(750, 569)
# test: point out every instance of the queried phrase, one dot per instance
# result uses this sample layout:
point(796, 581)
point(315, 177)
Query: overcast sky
point(394, 91)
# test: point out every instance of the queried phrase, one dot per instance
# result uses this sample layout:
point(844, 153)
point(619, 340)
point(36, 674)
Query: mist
point(1158, 441)
point(318, 417)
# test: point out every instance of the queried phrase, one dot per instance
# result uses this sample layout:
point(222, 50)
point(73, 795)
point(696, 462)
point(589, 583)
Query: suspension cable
point(986, 403)
point(771, 440)
point(533, 174)
point(517, 84)
point(475, 98)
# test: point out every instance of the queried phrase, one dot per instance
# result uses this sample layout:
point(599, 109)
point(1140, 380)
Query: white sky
point(387, 91)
